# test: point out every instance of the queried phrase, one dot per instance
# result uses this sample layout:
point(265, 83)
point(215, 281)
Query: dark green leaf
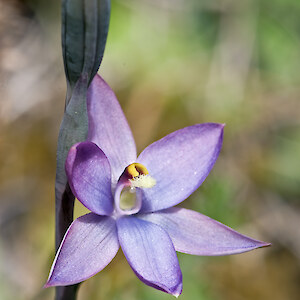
point(84, 32)
point(73, 129)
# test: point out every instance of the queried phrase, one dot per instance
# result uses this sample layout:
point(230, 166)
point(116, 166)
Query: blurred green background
point(172, 63)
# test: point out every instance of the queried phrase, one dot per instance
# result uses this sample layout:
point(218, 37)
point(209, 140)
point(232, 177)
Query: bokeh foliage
point(172, 64)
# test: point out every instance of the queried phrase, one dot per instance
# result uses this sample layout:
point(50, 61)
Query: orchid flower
point(131, 200)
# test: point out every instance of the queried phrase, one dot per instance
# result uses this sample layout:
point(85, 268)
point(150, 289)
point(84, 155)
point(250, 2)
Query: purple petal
point(150, 253)
point(194, 233)
point(180, 162)
point(108, 127)
point(89, 245)
point(89, 176)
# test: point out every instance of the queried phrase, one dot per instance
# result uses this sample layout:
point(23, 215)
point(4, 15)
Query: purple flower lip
point(132, 200)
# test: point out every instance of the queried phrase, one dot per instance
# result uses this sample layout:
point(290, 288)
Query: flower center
point(140, 177)
point(128, 197)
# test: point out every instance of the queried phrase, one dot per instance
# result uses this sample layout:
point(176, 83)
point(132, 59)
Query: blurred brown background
point(172, 63)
